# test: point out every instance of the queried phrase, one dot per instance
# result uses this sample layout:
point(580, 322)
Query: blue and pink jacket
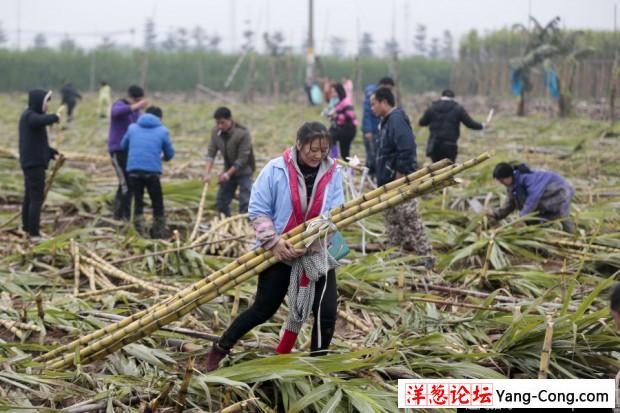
point(278, 204)
point(344, 110)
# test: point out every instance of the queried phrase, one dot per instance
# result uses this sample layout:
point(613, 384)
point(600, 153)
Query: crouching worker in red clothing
point(301, 184)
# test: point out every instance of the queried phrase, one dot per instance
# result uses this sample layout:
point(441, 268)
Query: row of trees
point(197, 38)
point(181, 71)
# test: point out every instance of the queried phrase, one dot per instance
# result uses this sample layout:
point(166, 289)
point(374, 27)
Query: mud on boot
point(215, 356)
point(159, 230)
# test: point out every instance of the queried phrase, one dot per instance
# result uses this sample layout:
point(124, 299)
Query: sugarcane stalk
point(401, 285)
point(21, 325)
point(76, 267)
point(173, 310)
point(184, 385)
point(235, 306)
point(106, 291)
point(354, 321)
point(244, 265)
point(90, 274)
point(154, 404)
point(201, 206)
point(216, 227)
point(11, 326)
point(38, 298)
point(241, 406)
point(374, 194)
point(546, 350)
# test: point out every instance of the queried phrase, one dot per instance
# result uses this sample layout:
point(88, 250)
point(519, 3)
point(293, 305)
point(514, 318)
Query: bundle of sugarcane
point(115, 336)
point(236, 227)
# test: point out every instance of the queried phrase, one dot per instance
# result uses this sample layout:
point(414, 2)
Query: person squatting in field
point(544, 192)
point(124, 112)
point(144, 142)
point(234, 142)
point(35, 154)
point(396, 157)
point(301, 184)
point(444, 118)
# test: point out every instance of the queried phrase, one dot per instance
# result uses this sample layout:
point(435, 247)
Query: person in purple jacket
point(124, 112)
point(544, 192)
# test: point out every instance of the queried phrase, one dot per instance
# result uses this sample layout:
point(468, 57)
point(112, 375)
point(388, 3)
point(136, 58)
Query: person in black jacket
point(396, 157)
point(70, 95)
point(444, 118)
point(34, 156)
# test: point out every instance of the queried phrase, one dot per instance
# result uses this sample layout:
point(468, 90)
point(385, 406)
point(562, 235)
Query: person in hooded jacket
point(34, 156)
point(396, 157)
point(344, 122)
point(544, 192)
point(444, 118)
point(145, 141)
point(300, 185)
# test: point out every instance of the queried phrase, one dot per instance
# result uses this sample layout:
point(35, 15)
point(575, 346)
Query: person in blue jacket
point(370, 123)
point(145, 141)
point(534, 191)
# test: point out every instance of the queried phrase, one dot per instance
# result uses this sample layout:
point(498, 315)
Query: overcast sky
point(86, 21)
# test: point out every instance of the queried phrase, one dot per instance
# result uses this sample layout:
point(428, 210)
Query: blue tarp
point(551, 82)
point(516, 84)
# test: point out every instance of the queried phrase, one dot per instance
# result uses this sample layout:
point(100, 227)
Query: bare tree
point(433, 51)
point(419, 42)
point(337, 45)
point(200, 38)
point(447, 47)
point(40, 41)
point(3, 38)
point(366, 43)
point(150, 35)
point(391, 47)
point(67, 44)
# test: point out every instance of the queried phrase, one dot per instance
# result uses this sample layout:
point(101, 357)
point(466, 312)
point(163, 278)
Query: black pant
point(272, 288)
point(122, 201)
point(70, 106)
point(444, 150)
point(344, 136)
point(34, 188)
point(138, 181)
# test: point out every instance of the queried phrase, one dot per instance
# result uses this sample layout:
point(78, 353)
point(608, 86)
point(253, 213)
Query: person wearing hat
point(544, 192)
point(35, 154)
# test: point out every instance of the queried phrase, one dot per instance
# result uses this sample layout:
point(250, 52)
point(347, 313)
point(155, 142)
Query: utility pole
point(233, 29)
point(19, 25)
point(310, 48)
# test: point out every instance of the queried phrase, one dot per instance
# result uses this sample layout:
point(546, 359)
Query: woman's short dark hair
point(135, 91)
point(222, 113)
point(384, 94)
point(155, 110)
point(310, 131)
point(340, 90)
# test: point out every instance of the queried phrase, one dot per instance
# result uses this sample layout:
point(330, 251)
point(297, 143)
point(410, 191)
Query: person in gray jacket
point(234, 142)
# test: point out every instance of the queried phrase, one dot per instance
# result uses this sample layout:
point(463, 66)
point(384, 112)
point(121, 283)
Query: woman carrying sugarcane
point(544, 192)
point(300, 185)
